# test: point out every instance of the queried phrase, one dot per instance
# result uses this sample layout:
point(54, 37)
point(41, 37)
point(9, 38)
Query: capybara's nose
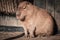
point(18, 13)
point(17, 17)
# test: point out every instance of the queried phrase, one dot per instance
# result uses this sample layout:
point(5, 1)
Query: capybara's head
point(24, 9)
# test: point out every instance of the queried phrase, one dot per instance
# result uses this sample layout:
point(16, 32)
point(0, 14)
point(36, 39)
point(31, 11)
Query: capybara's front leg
point(31, 31)
point(25, 31)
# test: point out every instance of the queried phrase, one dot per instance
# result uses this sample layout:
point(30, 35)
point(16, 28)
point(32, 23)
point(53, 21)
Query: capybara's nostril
point(17, 14)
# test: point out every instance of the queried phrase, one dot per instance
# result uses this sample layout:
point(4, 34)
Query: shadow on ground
point(18, 36)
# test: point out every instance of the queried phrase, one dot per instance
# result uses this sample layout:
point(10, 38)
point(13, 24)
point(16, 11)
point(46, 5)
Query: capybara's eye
point(24, 7)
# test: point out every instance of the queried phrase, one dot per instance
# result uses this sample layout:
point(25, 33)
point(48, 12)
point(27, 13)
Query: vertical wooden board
point(40, 3)
point(57, 18)
point(50, 5)
point(57, 13)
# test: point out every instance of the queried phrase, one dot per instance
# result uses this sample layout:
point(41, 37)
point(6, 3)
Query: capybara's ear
point(27, 3)
point(24, 4)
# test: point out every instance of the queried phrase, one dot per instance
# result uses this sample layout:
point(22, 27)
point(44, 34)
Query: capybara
point(37, 21)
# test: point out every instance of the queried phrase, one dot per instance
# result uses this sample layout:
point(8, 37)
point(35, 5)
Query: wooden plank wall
point(9, 5)
point(57, 13)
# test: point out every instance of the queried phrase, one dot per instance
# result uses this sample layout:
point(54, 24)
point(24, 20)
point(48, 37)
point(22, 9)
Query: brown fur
point(34, 19)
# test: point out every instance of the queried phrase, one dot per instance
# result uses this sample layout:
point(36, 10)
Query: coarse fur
point(34, 20)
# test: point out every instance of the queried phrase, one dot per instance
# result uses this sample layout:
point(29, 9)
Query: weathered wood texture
point(57, 13)
point(9, 5)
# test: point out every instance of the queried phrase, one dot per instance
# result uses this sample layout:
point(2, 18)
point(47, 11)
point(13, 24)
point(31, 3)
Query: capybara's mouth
point(22, 19)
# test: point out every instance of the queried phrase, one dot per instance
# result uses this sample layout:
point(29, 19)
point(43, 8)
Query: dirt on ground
point(20, 36)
